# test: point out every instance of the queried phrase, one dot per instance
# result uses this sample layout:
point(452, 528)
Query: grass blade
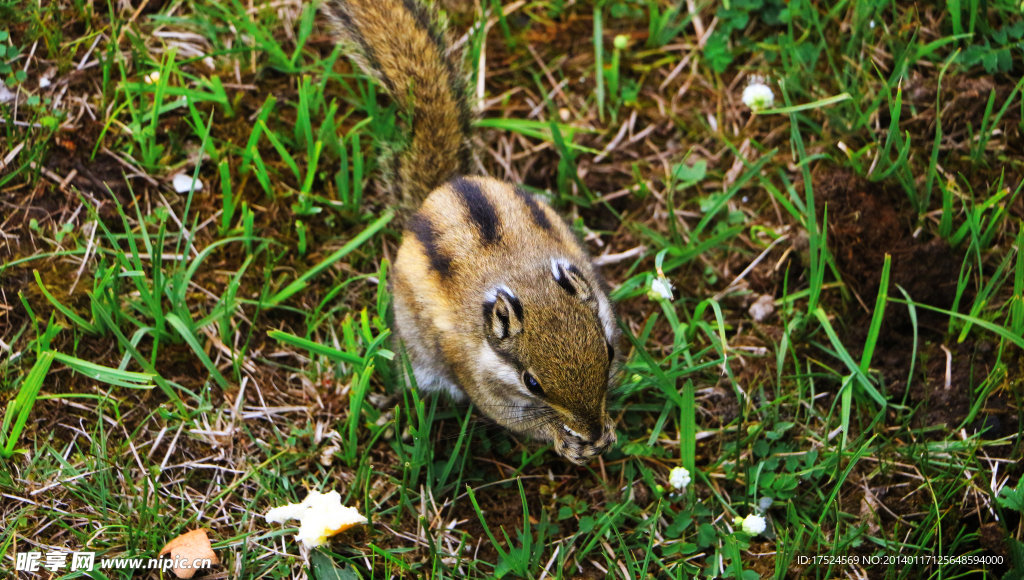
point(23, 403)
point(316, 348)
point(844, 355)
point(993, 328)
point(111, 376)
point(1017, 305)
point(806, 106)
point(354, 243)
point(83, 323)
point(599, 60)
point(190, 339)
point(876, 317)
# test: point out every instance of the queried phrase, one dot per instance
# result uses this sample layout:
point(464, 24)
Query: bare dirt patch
point(868, 220)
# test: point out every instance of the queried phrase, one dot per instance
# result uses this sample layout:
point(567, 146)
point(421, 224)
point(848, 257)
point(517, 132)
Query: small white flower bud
point(661, 289)
point(758, 96)
point(679, 478)
point(754, 524)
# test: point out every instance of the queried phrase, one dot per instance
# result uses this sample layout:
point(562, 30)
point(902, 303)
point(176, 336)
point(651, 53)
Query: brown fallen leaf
point(188, 547)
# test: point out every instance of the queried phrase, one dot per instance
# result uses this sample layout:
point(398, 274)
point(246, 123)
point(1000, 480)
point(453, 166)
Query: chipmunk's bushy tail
point(403, 44)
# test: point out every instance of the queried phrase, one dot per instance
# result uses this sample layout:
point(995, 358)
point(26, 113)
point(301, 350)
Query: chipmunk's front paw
point(579, 450)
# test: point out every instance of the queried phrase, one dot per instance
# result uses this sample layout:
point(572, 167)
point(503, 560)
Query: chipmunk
point(495, 299)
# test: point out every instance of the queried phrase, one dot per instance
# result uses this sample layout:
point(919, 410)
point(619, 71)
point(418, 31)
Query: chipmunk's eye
point(611, 352)
point(532, 384)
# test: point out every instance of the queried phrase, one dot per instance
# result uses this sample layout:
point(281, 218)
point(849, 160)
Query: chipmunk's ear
point(503, 314)
point(575, 284)
point(571, 280)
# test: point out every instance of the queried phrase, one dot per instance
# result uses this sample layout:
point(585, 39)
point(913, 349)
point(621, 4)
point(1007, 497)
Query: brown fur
point(401, 43)
point(490, 285)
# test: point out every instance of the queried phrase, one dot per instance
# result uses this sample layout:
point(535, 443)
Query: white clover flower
point(679, 478)
point(752, 524)
point(758, 96)
point(661, 289)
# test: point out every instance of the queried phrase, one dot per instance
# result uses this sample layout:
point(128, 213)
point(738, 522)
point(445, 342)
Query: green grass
point(179, 360)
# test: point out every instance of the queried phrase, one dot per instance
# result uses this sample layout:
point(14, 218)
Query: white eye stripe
point(560, 268)
point(604, 312)
point(492, 294)
point(492, 364)
point(571, 432)
point(569, 277)
point(556, 267)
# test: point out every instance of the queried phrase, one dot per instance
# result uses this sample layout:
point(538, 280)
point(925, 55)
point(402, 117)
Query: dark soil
point(866, 221)
point(95, 175)
point(962, 103)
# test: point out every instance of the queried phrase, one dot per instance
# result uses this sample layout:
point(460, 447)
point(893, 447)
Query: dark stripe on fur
point(539, 217)
point(517, 307)
point(407, 48)
point(481, 210)
point(517, 311)
point(503, 319)
point(456, 78)
point(339, 10)
point(488, 313)
point(424, 231)
point(566, 285)
point(423, 19)
point(564, 281)
point(509, 358)
point(458, 87)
